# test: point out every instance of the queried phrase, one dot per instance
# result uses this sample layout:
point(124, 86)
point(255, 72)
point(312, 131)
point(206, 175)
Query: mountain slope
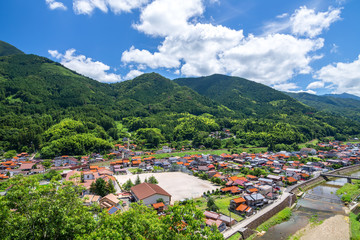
point(343, 95)
point(8, 49)
point(156, 93)
point(37, 83)
point(248, 97)
point(347, 107)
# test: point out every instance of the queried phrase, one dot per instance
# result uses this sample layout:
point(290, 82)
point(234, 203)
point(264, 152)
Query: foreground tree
point(53, 211)
point(141, 222)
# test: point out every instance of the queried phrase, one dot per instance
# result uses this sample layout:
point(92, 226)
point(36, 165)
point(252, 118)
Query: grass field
point(222, 202)
point(236, 236)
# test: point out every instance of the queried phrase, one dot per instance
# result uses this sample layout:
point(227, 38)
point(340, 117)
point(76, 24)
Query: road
point(235, 228)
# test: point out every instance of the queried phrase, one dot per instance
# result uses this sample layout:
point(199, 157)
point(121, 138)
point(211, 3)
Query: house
point(159, 207)
point(255, 199)
point(219, 224)
point(113, 210)
point(234, 203)
point(109, 201)
point(211, 215)
point(265, 189)
point(91, 199)
point(276, 179)
point(227, 220)
point(244, 209)
point(306, 151)
point(291, 180)
point(149, 193)
point(266, 181)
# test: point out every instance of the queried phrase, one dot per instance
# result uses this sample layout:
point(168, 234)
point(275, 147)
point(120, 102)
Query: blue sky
point(295, 46)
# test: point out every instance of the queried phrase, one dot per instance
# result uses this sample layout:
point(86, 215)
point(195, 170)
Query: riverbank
point(334, 228)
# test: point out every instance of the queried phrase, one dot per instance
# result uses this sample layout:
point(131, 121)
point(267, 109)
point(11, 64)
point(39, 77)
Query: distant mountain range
point(36, 93)
point(346, 105)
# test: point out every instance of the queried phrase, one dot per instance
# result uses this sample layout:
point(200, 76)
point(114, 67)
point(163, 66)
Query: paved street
point(229, 232)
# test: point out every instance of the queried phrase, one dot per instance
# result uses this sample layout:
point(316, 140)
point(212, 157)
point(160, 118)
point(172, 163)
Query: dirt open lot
point(178, 184)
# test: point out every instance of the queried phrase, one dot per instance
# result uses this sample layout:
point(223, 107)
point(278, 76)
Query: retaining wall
point(290, 200)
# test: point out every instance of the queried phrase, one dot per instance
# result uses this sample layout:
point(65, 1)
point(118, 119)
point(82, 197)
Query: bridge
point(349, 178)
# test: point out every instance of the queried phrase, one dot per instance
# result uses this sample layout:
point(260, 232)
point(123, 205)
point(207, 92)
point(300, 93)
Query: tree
point(110, 187)
point(159, 200)
point(51, 212)
point(137, 181)
point(153, 180)
point(100, 187)
point(128, 184)
point(140, 222)
point(10, 154)
point(211, 206)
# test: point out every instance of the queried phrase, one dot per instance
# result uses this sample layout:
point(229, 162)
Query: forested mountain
point(8, 49)
point(247, 97)
point(44, 105)
point(343, 95)
point(341, 104)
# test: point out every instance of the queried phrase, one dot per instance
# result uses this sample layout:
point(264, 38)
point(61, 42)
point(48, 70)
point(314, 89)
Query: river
point(320, 200)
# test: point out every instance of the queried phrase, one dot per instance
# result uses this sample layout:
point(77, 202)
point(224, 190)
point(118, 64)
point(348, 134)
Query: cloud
point(285, 87)
point(192, 48)
point(85, 66)
point(284, 15)
point(306, 22)
point(315, 85)
point(116, 6)
point(334, 48)
point(133, 74)
point(52, 4)
point(343, 77)
point(302, 91)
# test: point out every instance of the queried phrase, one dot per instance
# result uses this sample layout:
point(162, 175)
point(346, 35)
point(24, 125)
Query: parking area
point(178, 184)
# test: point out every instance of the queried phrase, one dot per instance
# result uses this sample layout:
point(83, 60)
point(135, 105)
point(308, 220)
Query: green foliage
point(211, 206)
point(100, 187)
point(127, 185)
point(137, 181)
point(47, 107)
point(8, 49)
point(349, 191)
point(280, 217)
point(354, 227)
point(150, 137)
point(10, 154)
point(53, 212)
point(141, 222)
point(110, 188)
point(153, 180)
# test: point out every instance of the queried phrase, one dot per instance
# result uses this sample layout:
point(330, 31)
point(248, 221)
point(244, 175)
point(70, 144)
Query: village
point(228, 188)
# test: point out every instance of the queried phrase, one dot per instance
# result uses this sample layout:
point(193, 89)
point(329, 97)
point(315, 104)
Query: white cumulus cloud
point(316, 85)
point(306, 22)
point(192, 48)
point(85, 66)
point(343, 77)
point(52, 4)
point(133, 74)
point(116, 6)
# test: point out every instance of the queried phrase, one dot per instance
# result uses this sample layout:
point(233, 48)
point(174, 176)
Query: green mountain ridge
point(41, 98)
point(8, 49)
point(347, 106)
point(245, 96)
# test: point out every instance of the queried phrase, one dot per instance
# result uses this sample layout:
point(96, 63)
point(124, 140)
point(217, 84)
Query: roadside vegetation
point(280, 217)
point(354, 226)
